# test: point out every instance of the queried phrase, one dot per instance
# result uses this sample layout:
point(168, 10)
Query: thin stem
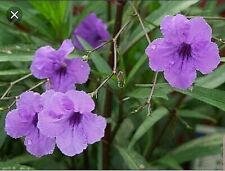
point(151, 92)
point(37, 85)
point(219, 39)
point(141, 22)
point(13, 83)
point(209, 17)
point(16, 97)
point(156, 74)
point(95, 92)
point(114, 41)
point(109, 95)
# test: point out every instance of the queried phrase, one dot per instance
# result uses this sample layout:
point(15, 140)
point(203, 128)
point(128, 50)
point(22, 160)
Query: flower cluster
point(185, 48)
point(64, 119)
point(61, 115)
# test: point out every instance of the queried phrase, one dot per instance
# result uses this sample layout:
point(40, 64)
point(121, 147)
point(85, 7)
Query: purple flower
point(185, 48)
point(62, 72)
point(68, 117)
point(22, 122)
point(93, 30)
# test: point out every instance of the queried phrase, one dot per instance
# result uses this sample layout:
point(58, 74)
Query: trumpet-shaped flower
point(22, 122)
point(61, 71)
point(93, 30)
point(185, 48)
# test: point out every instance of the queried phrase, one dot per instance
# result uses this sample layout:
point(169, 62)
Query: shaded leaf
point(147, 124)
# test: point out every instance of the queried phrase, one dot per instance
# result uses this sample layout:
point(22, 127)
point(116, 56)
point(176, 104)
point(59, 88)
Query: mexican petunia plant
point(99, 105)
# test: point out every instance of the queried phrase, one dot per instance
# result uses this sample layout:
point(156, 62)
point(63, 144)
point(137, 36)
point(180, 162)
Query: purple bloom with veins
point(61, 71)
point(22, 122)
point(185, 48)
point(93, 30)
point(68, 117)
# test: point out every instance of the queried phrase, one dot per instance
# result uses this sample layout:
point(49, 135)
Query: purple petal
point(93, 26)
point(51, 123)
point(82, 101)
point(29, 103)
point(72, 141)
point(160, 54)
point(42, 65)
point(65, 49)
point(16, 126)
point(199, 31)
point(206, 57)
point(79, 70)
point(94, 127)
point(175, 28)
point(57, 102)
point(182, 74)
point(38, 144)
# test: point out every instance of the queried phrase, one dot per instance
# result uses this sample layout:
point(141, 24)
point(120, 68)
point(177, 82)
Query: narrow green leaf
point(195, 115)
point(2, 128)
point(213, 97)
point(161, 91)
point(14, 72)
point(15, 58)
point(204, 146)
point(22, 159)
point(214, 79)
point(13, 166)
point(133, 159)
point(135, 69)
point(169, 162)
point(147, 124)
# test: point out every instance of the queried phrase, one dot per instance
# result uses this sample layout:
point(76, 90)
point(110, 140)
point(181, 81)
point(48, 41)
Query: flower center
point(35, 120)
point(62, 70)
point(185, 50)
point(75, 118)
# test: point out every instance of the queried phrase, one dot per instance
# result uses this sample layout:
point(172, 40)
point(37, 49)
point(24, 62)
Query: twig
point(95, 92)
point(114, 42)
point(108, 98)
point(13, 83)
point(148, 102)
point(208, 17)
point(16, 97)
point(219, 39)
point(37, 85)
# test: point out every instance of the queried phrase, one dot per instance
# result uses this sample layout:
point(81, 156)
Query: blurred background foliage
point(50, 22)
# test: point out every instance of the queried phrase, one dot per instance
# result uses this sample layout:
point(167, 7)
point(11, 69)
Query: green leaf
point(13, 166)
point(15, 58)
point(147, 124)
point(135, 69)
point(214, 79)
point(14, 72)
point(195, 115)
point(169, 162)
point(22, 159)
point(2, 130)
point(213, 97)
point(204, 146)
point(161, 91)
point(132, 159)
point(166, 8)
